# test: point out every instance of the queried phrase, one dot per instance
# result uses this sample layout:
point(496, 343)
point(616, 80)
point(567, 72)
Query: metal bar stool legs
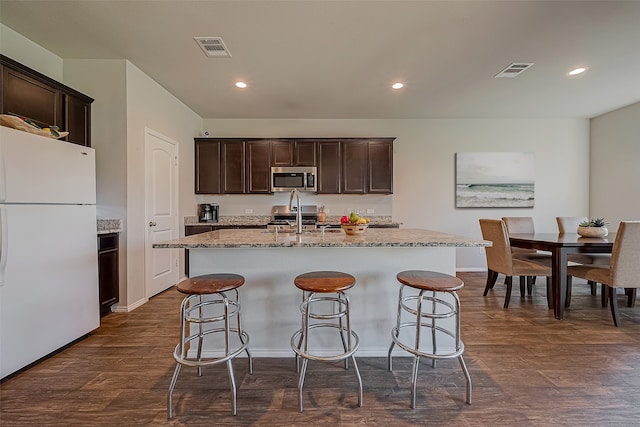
point(198, 308)
point(432, 287)
point(322, 288)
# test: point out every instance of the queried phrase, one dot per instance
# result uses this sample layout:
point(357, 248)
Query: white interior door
point(161, 184)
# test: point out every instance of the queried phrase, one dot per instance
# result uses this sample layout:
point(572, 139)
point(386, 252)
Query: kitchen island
point(270, 261)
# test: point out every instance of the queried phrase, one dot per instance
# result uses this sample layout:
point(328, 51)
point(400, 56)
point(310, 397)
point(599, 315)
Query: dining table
point(560, 245)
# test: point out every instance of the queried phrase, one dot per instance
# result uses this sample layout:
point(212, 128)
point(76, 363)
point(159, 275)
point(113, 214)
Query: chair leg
point(631, 297)
point(530, 282)
point(614, 305)
point(549, 293)
point(594, 287)
point(605, 296)
point(569, 289)
point(492, 276)
point(522, 283)
point(508, 281)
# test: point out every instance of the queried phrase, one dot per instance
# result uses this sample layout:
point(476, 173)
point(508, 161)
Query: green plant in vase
point(594, 227)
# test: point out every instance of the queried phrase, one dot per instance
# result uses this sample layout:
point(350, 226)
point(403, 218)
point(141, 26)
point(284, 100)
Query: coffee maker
point(208, 212)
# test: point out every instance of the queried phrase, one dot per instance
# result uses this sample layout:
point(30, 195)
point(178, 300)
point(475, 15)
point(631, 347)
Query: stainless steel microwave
point(291, 177)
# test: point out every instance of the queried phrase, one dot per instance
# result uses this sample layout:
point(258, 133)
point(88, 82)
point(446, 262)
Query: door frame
point(148, 132)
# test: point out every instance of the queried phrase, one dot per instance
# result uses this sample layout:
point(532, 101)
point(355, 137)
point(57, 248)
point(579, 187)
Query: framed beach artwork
point(494, 180)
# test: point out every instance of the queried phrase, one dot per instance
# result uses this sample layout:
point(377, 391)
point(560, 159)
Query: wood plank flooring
point(527, 368)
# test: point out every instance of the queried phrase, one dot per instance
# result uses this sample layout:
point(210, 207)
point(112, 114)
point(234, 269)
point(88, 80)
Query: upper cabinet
point(232, 166)
point(285, 152)
point(243, 166)
point(28, 93)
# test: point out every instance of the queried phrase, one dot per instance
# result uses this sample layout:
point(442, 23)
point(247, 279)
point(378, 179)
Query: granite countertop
point(376, 237)
point(106, 226)
point(249, 220)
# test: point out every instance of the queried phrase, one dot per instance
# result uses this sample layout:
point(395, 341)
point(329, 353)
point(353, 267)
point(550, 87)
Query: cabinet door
point(108, 271)
point(77, 120)
point(304, 153)
point(26, 97)
point(329, 176)
point(380, 165)
point(282, 153)
point(207, 168)
point(232, 167)
point(354, 167)
point(258, 166)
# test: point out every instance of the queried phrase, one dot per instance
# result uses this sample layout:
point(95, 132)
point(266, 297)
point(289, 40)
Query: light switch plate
point(370, 211)
point(248, 211)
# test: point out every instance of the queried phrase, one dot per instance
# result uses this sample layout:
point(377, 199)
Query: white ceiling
point(337, 59)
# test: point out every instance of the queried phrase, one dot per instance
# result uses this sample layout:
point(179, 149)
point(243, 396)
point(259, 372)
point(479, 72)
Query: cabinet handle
point(152, 224)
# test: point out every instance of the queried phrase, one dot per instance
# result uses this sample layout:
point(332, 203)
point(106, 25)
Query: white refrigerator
point(48, 247)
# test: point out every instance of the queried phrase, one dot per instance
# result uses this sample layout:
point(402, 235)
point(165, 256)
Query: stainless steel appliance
point(290, 178)
point(208, 212)
point(283, 218)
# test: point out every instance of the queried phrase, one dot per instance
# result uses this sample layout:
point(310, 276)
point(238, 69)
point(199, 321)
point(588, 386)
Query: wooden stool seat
point(430, 281)
point(210, 284)
point(324, 281)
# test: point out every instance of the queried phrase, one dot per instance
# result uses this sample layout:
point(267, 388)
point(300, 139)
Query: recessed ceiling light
point(577, 71)
point(397, 85)
point(241, 85)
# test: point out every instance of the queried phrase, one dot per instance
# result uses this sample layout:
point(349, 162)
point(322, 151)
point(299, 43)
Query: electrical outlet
point(327, 210)
point(370, 211)
point(248, 211)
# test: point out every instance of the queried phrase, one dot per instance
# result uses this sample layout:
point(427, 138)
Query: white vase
point(593, 231)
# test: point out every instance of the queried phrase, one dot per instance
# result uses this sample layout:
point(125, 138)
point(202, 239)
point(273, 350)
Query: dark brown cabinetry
point(232, 166)
point(329, 167)
point(207, 155)
point(293, 153)
point(355, 166)
point(345, 166)
point(380, 167)
point(108, 271)
point(28, 93)
point(258, 166)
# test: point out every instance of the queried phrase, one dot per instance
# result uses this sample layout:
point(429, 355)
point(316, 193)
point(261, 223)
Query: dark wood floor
point(527, 369)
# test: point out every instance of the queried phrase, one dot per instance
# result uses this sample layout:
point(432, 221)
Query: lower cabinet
point(108, 271)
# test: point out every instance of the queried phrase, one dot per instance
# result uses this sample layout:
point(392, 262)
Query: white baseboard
point(126, 309)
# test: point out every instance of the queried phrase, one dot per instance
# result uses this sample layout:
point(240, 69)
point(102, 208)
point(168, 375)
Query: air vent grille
point(213, 46)
point(514, 69)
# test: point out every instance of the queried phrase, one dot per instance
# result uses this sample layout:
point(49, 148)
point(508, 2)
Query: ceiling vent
point(514, 69)
point(213, 46)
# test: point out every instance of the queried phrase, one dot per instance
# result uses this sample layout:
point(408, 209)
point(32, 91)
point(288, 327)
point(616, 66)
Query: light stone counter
point(333, 237)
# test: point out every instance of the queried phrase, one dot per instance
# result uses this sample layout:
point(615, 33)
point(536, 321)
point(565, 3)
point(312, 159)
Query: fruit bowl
point(354, 229)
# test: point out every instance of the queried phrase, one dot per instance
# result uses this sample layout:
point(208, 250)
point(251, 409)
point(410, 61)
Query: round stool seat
point(430, 281)
point(324, 281)
point(210, 283)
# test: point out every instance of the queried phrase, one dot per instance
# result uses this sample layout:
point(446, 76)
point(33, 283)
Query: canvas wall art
point(494, 180)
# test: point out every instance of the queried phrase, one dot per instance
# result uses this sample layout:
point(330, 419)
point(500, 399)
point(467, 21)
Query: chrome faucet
point(298, 209)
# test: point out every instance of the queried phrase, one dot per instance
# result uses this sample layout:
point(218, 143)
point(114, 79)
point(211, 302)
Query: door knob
point(152, 224)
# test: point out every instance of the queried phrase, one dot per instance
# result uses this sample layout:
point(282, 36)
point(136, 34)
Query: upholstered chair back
point(569, 224)
point(499, 254)
point(625, 258)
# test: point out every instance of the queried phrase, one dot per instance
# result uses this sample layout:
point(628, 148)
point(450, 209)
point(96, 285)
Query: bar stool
point(437, 284)
point(205, 295)
point(318, 289)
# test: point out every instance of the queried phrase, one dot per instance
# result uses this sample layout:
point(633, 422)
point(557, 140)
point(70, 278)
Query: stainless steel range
point(283, 218)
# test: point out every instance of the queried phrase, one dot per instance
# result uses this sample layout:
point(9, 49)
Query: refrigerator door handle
point(3, 243)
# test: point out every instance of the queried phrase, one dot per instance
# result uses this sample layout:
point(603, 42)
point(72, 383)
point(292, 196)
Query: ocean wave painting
point(495, 180)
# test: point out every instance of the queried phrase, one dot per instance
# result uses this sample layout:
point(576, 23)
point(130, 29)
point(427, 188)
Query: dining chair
point(622, 272)
point(500, 260)
point(524, 224)
point(569, 225)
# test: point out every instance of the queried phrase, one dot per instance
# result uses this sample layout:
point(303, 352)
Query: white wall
point(150, 105)
point(615, 166)
point(21, 49)
point(424, 166)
